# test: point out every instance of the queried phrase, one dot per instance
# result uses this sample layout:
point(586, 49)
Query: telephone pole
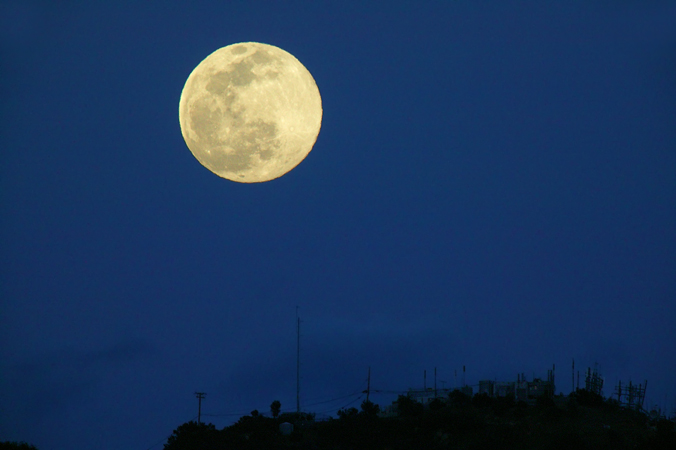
point(368, 386)
point(200, 396)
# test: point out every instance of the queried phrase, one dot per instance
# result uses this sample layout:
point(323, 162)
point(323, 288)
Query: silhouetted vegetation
point(370, 409)
point(588, 398)
point(193, 435)
point(275, 408)
point(7, 445)
point(580, 421)
point(409, 408)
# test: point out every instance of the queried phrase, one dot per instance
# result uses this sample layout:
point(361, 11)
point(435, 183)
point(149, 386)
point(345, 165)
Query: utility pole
point(297, 363)
point(435, 382)
point(368, 386)
point(573, 375)
point(200, 396)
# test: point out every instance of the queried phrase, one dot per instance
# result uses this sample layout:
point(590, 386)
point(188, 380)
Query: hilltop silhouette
point(582, 420)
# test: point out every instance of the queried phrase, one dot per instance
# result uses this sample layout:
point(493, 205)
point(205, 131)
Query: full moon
point(250, 112)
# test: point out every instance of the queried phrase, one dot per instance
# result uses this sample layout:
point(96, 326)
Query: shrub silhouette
point(193, 436)
point(457, 398)
point(409, 408)
point(588, 398)
point(7, 445)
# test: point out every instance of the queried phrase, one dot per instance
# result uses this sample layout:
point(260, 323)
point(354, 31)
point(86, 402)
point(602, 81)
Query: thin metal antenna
point(297, 362)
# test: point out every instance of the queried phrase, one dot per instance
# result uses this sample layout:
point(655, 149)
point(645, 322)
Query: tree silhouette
point(369, 408)
point(409, 408)
point(194, 436)
point(346, 413)
point(275, 407)
point(7, 445)
point(460, 399)
point(588, 398)
point(482, 400)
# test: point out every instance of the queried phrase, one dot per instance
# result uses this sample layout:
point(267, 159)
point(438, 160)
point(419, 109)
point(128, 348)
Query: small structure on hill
point(286, 428)
point(521, 389)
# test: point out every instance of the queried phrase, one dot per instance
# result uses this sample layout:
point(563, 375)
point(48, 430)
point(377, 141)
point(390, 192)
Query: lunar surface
point(250, 112)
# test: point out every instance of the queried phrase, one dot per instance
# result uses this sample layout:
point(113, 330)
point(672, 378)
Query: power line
point(387, 391)
point(240, 414)
point(156, 444)
point(342, 407)
point(164, 439)
point(337, 398)
point(351, 394)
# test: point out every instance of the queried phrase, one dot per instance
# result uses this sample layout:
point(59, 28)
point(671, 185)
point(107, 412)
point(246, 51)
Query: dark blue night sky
point(494, 186)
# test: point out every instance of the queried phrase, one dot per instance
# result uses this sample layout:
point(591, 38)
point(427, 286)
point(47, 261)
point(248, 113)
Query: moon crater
point(250, 112)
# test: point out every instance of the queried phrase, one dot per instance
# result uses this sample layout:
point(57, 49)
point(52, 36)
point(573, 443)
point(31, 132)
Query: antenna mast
point(297, 362)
